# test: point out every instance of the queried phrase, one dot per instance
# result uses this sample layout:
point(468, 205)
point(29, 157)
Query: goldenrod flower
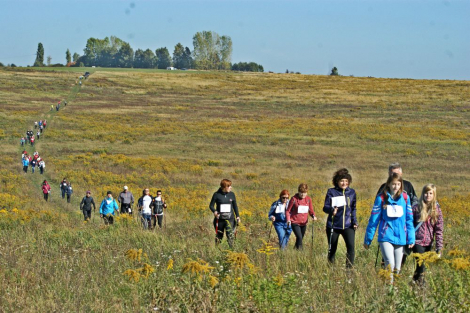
point(170, 265)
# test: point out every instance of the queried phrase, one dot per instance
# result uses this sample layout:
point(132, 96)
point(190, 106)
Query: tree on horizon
point(39, 56)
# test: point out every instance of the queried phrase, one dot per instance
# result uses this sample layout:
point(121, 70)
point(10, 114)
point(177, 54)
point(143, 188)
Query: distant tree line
point(247, 67)
point(211, 52)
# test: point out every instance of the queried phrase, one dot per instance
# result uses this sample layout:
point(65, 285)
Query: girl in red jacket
point(46, 189)
point(300, 207)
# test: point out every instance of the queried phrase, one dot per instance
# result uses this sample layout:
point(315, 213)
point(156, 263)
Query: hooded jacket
point(292, 212)
point(25, 162)
point(408, 187)
point(395, 230)
point(221, 198)
point(346, 215)
point(108, 206)
point(279, 218)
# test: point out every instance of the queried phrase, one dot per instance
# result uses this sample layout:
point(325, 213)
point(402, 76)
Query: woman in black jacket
point(340, 205)
point(224, 212)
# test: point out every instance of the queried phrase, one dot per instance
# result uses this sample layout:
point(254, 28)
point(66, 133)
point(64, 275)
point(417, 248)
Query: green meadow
point(184, 131)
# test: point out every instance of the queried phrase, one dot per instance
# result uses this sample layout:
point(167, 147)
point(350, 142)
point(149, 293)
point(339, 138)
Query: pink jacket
point(292, 212)
point(46, 188)
point(427, 231)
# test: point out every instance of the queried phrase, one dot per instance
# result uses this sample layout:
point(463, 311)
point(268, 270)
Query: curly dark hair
point(342, 173)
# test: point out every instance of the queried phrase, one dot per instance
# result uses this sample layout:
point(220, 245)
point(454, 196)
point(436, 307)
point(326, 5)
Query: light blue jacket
point(108, 206)
point(25, 162)
point(280, 218)
point(395, 230)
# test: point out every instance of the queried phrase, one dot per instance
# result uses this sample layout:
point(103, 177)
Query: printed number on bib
point(302, 209)
point(338, 201)
point(225, 208)
point(394, 211)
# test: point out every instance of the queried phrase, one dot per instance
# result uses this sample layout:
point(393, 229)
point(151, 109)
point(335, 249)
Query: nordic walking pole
point(269, 235)
point(331, 236)
point(377, 257)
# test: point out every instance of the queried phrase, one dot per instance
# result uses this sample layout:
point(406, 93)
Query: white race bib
point(302, 209)
point(225, 208)
point(280, 208)
point(394, 211)
point(338, 201)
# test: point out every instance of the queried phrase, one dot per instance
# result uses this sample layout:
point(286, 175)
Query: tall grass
point(182, 134)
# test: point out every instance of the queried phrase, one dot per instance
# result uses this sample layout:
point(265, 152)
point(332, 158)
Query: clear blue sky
point(382, 38)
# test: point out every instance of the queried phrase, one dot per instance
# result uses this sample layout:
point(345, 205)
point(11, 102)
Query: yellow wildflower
point(170, 265)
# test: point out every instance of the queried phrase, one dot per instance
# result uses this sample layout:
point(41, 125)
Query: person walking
point(429, 226)
point(52, 107)
point(277, 215)
point(45, 124)
point(144, 204)
point(42, 166)
point(126, 199)
point(107, 208)
point(393, 215)
point(63, 187)
point(41, 128)
point(158, 205)
point(409, 189)
point(46, 189)
point(35, 124)
point(300, 207)
point(85, 205)
point(225, 212)
point(69, 191)
point(31, 140)
point(340, 205)
point(38, 133)
point(25, 164)
point(33, 164)
point(22, 141)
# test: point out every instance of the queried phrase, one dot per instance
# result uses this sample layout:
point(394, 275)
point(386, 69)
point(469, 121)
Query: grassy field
point(183, 132)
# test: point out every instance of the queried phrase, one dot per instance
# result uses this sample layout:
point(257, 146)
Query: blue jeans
point(283, 233)
point(147, 221)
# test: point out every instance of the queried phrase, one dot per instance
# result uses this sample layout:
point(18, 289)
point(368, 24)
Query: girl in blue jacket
point(340, 205)
point(393, 215)
point(108, 207)
point(277, 214)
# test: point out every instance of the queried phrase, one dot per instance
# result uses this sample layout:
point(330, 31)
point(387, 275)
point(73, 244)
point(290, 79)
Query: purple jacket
point(427, 231)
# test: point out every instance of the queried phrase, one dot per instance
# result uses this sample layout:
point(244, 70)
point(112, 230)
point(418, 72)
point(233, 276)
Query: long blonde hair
point(427, 210)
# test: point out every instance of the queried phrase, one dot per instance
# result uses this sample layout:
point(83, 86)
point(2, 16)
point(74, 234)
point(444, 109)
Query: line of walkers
point(150, 208)
point(405, 222)
point(32, 161)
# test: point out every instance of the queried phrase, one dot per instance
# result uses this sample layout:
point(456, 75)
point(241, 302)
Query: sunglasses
point(285, 198)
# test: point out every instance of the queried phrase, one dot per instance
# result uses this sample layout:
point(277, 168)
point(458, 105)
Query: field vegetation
point(183, 132)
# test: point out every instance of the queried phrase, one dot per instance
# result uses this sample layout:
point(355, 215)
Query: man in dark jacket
point(85, 205)
point(407, 186)
point(224, 212)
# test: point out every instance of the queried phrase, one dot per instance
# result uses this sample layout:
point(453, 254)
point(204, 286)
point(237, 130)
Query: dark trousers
point(46, 196)
point(222, 225)
point(157, 219)
point(348, 236)
point(68, 198)
point(108, 220)
point(25, 169)
point(125, 208)
point(420, 268)
point(63, 193)
point(299, 232)
point(41, 170)
point(86, 214)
